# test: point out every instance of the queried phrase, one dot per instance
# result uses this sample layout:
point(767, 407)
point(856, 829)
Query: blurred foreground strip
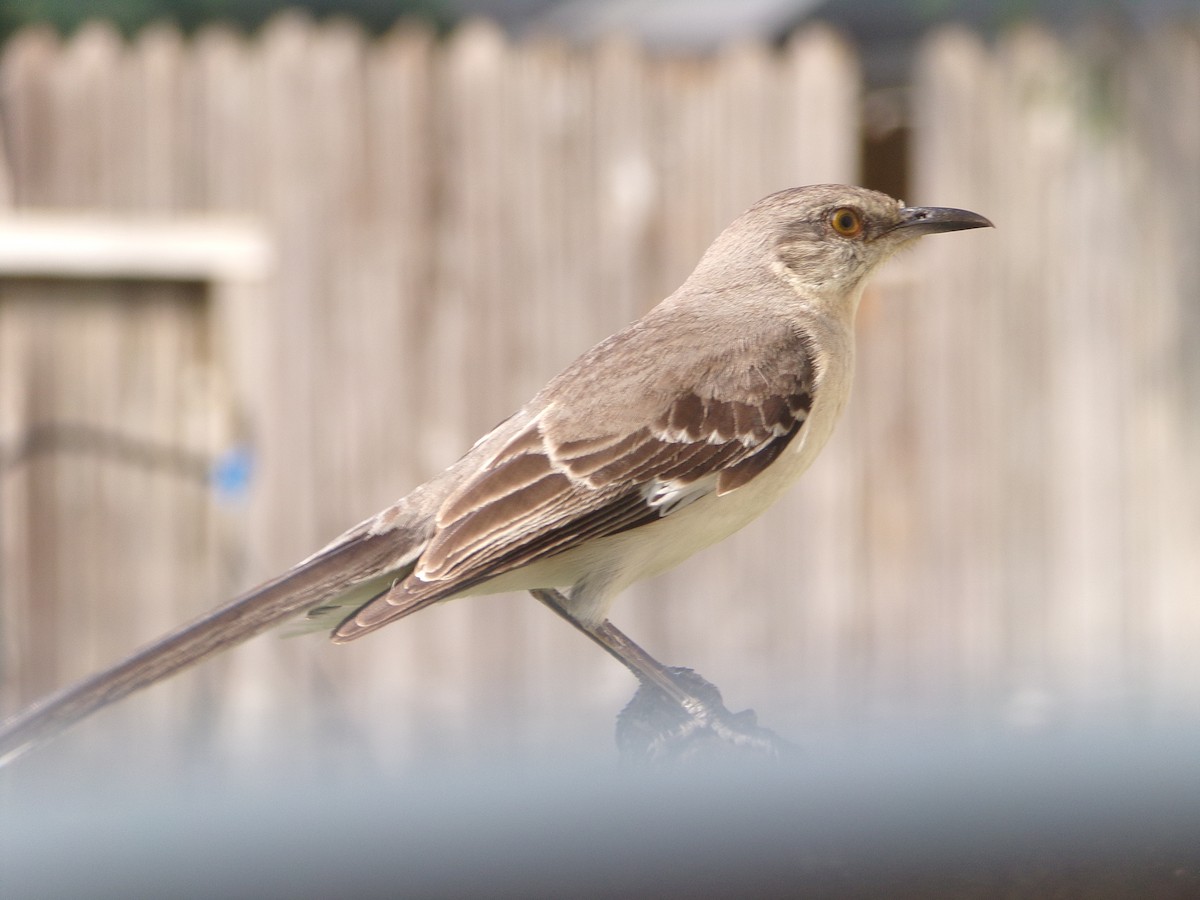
point(1093, 814)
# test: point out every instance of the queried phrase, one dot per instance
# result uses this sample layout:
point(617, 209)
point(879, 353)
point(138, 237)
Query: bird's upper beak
point(916, 220)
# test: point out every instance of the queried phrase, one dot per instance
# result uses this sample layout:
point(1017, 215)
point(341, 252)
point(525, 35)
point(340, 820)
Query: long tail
point(347, 565)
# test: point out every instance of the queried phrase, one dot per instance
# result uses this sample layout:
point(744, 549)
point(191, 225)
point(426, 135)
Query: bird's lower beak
point(916, 220)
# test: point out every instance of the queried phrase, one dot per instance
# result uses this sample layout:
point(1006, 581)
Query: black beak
point(917, 220)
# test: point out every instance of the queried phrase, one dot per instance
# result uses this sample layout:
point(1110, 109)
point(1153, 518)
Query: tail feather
point(361, 561)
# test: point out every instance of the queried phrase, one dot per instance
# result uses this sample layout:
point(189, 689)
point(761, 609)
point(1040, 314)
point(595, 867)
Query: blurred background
point(265, 269)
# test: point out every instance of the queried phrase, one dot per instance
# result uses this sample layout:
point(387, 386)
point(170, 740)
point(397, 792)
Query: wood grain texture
point(1004, 528)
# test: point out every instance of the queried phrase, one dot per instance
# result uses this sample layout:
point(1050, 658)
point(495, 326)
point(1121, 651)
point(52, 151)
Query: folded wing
point(561, 481)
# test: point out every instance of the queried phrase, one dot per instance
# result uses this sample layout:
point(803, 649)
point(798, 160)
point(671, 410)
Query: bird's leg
point(645, 667)
point(648, 732)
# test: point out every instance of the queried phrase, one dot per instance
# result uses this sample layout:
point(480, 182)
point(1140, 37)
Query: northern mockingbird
point(662, 439)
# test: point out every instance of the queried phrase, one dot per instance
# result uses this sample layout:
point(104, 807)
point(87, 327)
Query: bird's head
point(832, 236)
point(825, 239)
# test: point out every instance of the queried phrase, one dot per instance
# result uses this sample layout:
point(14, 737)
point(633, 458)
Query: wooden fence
point(1005, 531)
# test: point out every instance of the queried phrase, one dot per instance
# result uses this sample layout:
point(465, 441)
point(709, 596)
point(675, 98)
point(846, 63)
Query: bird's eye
point(846, 221)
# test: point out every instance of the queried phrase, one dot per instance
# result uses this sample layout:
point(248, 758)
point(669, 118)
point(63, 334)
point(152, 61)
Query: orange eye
point(846, 221)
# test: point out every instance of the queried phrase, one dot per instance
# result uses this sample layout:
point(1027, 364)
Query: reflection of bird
point(661, 440)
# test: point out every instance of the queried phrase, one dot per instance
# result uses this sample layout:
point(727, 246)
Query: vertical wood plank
point(1002, 529)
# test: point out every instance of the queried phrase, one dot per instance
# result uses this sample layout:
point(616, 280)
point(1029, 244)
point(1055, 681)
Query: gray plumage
point(659, 441)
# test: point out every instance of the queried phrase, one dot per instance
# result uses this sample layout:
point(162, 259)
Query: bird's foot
point(655, 728)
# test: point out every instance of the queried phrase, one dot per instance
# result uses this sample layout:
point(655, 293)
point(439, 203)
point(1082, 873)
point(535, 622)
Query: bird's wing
point(565, 479)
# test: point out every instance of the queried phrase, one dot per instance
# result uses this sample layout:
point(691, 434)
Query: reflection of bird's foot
point(654, 728)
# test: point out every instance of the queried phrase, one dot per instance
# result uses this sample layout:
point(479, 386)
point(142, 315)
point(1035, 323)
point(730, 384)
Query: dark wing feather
point(552, 488)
